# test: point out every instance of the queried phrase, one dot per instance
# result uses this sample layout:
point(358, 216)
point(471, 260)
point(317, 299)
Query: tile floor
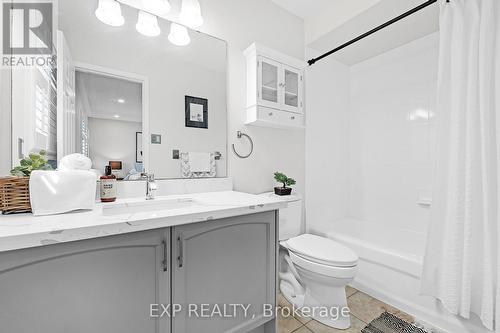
point(363, 308)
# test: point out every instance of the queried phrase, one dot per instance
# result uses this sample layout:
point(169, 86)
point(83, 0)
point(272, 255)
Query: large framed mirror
point(120, 97)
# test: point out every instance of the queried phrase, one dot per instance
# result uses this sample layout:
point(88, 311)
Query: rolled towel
point(74, 162)
point(57, 192)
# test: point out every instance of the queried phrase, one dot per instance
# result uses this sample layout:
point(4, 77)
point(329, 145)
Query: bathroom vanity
point(123, 267)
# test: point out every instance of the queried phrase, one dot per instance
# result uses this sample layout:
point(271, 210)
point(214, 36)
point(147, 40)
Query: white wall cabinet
point(275, 89)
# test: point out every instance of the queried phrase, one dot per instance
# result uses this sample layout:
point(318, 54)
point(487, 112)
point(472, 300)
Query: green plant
point(34, 162)
point(282, 178)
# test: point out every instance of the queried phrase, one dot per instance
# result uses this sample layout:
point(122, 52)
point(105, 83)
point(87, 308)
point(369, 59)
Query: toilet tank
point(290, 217)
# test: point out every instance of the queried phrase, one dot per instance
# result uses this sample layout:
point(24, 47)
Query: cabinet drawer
point(284, 118)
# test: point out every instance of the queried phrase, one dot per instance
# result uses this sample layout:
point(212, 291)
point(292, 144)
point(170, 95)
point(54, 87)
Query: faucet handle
point(148, 176)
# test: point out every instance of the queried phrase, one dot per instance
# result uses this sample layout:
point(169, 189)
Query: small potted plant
point(286, 181)
point(14, 190)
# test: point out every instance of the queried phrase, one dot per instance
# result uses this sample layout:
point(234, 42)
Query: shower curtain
point(462, 261)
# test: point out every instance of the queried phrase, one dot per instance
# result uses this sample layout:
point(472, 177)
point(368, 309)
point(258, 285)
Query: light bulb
point(110, 13)
point(158, 7)
point(191, 14)
point(147, 24)
point(179, 35)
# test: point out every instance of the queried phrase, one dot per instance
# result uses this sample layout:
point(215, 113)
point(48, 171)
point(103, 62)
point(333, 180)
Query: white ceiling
point(322, 16)
point(306, 9)
point(107, 97)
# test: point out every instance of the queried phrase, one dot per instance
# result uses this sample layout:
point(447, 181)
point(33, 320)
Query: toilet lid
point(322, 250)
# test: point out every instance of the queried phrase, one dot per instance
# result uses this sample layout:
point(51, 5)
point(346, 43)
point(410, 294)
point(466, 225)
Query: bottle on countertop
point(108, 186)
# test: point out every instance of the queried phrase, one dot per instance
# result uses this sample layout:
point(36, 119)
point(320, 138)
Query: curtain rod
point(380, 27)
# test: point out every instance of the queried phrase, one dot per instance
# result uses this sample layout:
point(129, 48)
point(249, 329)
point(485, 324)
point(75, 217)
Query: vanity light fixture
point(120, 100)
point(158, 7)
point(179, 35)
point(190, 14)
point(110, 13)
point(147, 24)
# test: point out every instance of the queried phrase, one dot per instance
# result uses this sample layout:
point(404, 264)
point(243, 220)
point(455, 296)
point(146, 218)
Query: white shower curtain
point(462, 262)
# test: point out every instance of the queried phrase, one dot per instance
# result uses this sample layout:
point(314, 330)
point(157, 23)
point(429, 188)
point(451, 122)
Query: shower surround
point(379, 152)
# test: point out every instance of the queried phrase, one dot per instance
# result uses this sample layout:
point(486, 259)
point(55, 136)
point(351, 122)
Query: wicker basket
point(15, 195)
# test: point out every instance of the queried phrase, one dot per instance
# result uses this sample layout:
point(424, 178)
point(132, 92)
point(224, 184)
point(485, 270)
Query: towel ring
point(239, 134)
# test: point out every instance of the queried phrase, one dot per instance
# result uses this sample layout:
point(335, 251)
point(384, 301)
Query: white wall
point(392, 106)
point(331, 16)
point(327, 138)
point(112, 140)
point(241, 22)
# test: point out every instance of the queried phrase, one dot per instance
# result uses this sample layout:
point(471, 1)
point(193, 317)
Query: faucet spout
point(151, 186)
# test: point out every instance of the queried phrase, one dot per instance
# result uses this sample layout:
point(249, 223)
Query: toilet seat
point(325, 270)
point(322, 251)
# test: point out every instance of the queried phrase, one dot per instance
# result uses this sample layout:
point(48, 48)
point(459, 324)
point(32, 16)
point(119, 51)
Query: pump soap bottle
point(108, 186)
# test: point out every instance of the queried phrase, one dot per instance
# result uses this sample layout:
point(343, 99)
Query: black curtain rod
point(380, 27)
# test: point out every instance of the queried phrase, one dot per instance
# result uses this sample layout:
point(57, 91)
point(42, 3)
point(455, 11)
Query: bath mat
point(388, 323)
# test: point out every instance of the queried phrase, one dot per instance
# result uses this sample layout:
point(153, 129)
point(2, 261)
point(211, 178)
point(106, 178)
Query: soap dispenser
point(108, 186)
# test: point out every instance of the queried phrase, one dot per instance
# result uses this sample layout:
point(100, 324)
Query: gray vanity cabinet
point(100, 285)
point(228, 261)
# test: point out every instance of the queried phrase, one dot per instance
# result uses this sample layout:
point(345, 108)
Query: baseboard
point(424, 318)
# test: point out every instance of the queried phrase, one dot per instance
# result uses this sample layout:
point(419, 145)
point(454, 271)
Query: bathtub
point(389, 269)
point(398, 249)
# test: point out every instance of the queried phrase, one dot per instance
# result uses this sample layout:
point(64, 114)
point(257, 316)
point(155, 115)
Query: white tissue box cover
point(57, 192)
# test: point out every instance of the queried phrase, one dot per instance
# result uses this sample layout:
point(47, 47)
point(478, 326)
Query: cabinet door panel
point(293, 81)
point(269, 83)
point(101, 285)
point(231, 261)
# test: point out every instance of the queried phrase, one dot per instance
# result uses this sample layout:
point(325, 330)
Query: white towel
point(74, 162)
point(57, 192)
point(199, 162)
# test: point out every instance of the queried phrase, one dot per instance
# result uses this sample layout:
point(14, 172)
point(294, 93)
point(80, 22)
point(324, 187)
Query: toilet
point(314, 270)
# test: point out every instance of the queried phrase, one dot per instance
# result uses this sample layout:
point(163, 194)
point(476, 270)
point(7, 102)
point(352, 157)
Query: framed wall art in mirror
point(196, 110)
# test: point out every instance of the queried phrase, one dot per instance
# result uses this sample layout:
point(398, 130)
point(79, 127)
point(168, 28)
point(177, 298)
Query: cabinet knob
point(292, 117)
point(270, 113)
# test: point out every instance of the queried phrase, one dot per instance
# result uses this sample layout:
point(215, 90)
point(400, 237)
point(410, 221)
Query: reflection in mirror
point(118, 94)
point(109, 111)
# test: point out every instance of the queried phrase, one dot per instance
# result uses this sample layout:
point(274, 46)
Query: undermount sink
point(145, 206)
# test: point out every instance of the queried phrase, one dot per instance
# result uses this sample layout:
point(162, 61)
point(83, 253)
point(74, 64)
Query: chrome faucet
point(151, 186)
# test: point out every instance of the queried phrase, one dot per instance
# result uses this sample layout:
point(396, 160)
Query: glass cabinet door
point(292, 100)
point(269, 82)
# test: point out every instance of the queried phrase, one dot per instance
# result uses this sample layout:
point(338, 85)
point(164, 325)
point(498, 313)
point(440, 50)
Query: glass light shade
point(158, 7)
point(191, 14)
point(110, 13)
point(179, 35)
point(147, 24)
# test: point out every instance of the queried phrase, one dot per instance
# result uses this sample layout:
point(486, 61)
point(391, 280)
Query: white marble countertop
point(127, 215)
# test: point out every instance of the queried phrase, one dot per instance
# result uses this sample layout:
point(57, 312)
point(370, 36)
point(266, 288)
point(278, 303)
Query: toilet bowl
point(313, 270)
point(313, 275)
